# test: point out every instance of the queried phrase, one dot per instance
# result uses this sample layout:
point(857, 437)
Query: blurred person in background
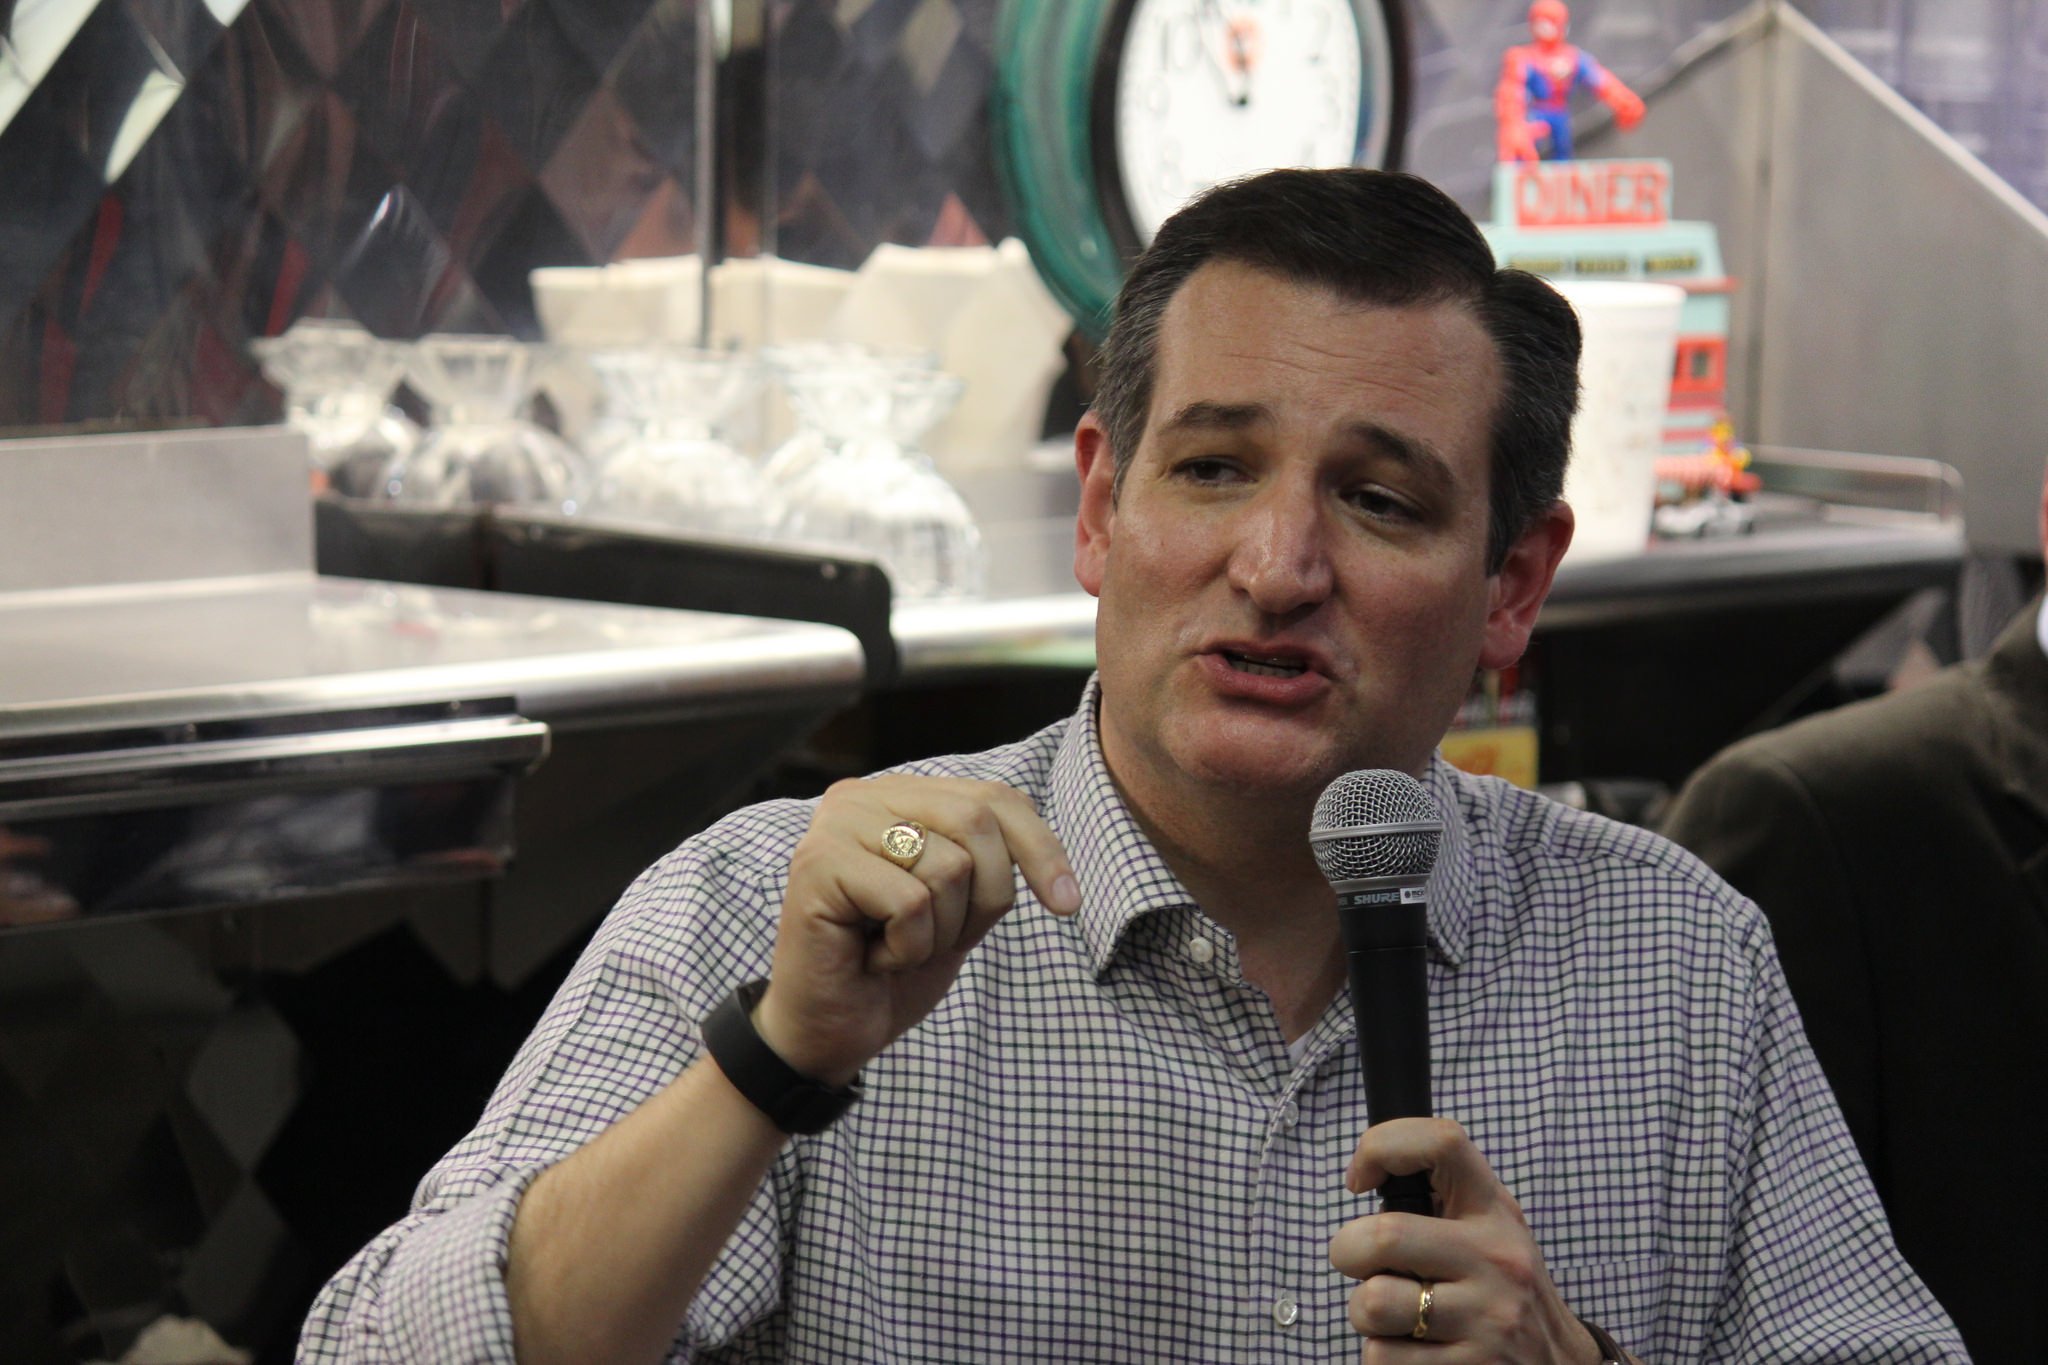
point(1899, 847)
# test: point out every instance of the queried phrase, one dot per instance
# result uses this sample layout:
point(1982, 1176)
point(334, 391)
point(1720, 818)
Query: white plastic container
point(1631, 340)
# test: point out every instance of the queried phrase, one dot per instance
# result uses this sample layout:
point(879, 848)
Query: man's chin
point(1274, 762)
point(1248, 764)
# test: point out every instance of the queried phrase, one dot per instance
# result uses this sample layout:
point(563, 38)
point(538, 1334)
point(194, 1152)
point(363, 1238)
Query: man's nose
point(1281, 560)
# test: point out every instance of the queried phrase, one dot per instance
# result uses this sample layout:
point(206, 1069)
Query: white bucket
point(1631, 338)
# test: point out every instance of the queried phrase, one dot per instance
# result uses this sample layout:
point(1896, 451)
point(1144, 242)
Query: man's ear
point(1516, 593)
point(1097, 468)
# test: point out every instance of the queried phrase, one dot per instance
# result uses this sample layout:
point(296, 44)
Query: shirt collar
point(1123, 877)
point(1455, 886)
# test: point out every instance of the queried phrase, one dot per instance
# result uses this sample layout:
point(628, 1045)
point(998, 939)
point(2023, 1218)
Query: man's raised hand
point(868, 945)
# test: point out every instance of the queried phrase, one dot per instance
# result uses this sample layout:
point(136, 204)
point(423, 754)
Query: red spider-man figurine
point(1533, 98)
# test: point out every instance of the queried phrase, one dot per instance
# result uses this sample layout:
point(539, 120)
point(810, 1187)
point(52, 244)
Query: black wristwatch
point(793, 1102)
point(1610, 1354)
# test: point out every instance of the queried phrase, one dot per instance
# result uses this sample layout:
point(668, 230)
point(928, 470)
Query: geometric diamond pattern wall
point(184, 1135)
point(137, 1094)
point(184, 175)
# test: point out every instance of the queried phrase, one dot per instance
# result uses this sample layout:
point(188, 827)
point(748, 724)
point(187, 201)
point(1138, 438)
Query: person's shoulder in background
point(1866, 765)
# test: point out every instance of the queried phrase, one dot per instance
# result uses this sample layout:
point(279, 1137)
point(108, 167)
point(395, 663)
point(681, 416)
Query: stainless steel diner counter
point(294, 642)
point(231, 740)
point(190, 717)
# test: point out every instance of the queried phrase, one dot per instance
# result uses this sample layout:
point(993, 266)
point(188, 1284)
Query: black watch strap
point(1610, 1354)
point(793, 1102)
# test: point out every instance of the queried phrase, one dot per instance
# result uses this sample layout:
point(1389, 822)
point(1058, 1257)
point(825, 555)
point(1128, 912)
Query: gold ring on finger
point(1422, 1306)
point(903, 843)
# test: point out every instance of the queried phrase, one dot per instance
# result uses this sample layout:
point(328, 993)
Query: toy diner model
point(1611, 220)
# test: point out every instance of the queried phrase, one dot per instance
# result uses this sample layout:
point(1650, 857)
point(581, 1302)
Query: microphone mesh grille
point(1358, 801)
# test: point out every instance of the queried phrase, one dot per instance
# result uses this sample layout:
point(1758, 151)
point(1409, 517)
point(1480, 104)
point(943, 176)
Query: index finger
point(1036, 850)
point(1457, 1172)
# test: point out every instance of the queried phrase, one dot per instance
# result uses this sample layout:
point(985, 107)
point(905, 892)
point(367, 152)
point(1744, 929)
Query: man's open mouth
point(1264, 667)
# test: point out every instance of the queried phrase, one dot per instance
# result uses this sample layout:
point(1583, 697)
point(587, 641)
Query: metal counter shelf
point(180, 745)
point(1828, 525)
point(166, 653)
point(191, 717)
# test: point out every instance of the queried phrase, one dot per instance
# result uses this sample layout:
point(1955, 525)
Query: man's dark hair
point(1377, 237)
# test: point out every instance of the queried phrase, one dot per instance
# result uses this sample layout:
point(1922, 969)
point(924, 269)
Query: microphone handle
point(1388, 967)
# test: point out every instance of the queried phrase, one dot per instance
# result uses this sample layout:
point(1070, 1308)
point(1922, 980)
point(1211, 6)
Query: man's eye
point(1376, 502)
point(1207, 469)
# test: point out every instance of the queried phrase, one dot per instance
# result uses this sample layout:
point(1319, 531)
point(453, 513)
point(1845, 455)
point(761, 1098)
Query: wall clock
point(1109, 114)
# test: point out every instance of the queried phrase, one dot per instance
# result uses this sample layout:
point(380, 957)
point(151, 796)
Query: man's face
point(1292, 579)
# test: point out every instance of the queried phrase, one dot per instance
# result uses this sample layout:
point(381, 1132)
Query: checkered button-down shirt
point(1100, 1147)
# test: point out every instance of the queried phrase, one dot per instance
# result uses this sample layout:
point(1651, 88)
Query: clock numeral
point(1325, 21)
point(1180, 43)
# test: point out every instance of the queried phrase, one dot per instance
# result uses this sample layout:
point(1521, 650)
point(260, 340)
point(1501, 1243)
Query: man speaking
point(1045, 1053)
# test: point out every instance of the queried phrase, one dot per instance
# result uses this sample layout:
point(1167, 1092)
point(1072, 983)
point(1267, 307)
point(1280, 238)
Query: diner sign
point(1591, 193)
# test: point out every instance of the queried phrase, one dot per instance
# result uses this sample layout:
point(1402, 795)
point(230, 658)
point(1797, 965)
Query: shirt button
point(1286, 1311)
point(1201, 952)
point(1290, 1114)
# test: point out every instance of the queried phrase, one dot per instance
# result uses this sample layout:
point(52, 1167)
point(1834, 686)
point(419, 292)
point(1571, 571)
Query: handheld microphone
point(1375, 835)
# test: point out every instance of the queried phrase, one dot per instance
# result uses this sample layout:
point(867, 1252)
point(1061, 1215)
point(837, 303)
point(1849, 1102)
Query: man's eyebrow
point(1416, 453)
point(1207, 416)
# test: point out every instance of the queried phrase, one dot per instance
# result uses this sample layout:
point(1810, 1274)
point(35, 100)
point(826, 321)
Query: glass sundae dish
point(869, 489)
point(337, 381)
point(479, 450)
point(663, 459)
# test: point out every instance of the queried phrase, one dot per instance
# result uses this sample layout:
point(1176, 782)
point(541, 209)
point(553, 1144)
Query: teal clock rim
point(1039, 124)
point(1044, 130)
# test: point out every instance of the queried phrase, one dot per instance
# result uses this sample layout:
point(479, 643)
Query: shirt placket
point(1301, 1202)
point(1290, 1297)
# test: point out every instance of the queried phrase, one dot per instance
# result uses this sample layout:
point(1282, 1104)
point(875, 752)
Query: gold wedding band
point(903, 843)
point(1422, 1305)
